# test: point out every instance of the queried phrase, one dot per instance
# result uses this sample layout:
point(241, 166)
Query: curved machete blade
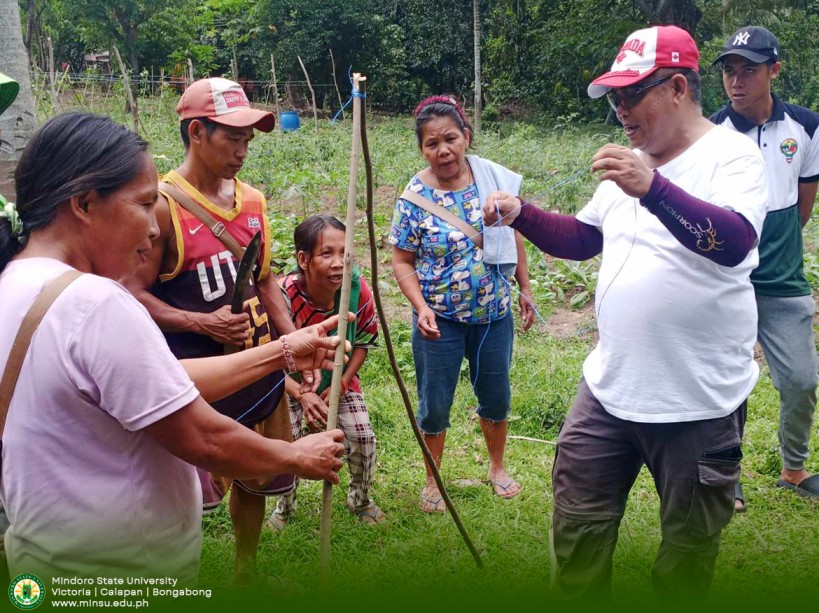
point(243, 275)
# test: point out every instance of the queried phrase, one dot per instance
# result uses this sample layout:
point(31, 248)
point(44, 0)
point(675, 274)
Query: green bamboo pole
point(344, 304)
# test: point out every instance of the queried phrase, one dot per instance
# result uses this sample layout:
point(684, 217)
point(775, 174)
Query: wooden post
point(191, 78)
point(43, 54)
point(335, 81)
point(312, 93)
point(126, 79)
point(62, 80)
point(275, 91)
point(52, 77)
point(343, 308)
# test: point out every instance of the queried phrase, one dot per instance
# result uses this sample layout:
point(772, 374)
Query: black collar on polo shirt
point(743, 124)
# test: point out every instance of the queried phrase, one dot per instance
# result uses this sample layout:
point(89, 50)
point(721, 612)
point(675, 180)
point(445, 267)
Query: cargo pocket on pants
point(720, 467)
point(713, 504)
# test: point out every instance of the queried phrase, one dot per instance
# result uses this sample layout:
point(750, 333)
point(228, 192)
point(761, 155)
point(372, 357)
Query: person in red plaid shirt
point(312, 294)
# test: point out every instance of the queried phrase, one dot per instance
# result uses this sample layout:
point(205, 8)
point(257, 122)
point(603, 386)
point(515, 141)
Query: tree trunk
point(476, 32)
point(683, 13)
point(133, 57)
point(18, 122)
point(129, 24)
point(30, 31)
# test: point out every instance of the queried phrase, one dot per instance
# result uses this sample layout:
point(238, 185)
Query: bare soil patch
point(566, 323)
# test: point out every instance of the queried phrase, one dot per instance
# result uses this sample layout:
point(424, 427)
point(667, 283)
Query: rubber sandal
point(496, 485)
point(371, 515)
point(808, 487)
point(437, 503)
point(739, 499)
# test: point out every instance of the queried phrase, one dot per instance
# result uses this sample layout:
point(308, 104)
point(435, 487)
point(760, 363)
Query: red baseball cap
point(643, 53)
point(223, 102)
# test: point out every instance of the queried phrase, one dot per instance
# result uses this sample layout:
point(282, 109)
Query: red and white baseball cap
point(643, 53)
point(223, 102)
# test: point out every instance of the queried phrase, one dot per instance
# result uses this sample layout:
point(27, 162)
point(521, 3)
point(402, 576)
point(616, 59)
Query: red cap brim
point(264, 121)
point(609, 80)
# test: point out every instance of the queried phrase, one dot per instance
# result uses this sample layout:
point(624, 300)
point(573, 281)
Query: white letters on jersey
point(208, 293)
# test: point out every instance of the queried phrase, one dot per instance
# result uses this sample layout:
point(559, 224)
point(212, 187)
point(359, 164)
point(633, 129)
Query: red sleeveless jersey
point(203, 281)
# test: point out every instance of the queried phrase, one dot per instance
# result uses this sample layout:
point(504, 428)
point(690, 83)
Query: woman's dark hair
point(210, 128)
point(307, 233)
point(69, 155)
point(440, 106)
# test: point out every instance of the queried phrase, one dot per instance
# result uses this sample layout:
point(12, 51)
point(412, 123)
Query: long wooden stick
point(52, 76)
point(343, 308)
point(531, 439)
point(385, 334)
point(126, 80)
point(312, 93)
point(335, 81)
point(275, 90)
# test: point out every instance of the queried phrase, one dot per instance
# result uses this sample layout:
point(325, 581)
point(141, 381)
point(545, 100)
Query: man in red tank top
point(187, 282)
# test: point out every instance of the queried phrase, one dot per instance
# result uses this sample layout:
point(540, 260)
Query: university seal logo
point(788, 149)
point(26, 592)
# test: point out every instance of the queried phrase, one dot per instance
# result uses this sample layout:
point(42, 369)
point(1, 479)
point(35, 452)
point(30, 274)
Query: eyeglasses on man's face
point(629, 97)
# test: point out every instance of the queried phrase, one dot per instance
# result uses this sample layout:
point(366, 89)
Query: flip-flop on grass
point(808, 487)
point(502, 489)
point(372, 515)
point(432, 502)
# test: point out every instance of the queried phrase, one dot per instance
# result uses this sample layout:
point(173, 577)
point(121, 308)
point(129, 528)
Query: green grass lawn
point(769, 555)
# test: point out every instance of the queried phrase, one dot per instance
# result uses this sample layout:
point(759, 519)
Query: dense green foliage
point(538, 55)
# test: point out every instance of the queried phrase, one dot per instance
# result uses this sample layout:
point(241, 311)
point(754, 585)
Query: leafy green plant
point(559, 280)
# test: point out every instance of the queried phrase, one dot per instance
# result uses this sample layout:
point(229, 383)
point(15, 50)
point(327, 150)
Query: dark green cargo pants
point(695, 466)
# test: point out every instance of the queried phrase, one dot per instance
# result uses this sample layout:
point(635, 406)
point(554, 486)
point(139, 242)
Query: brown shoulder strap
point(23, 339)
point(198, 211)
point(442, 213)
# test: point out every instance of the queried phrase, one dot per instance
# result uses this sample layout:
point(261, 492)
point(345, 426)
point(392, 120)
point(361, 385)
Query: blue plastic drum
point(289, 121)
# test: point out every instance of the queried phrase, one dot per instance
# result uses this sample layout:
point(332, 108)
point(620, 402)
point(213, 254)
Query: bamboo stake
point(275, 90)
point(43, 55)
point(60, 85)
point(87, 80)
point(126, 79)
point(343, 308)
point(312, 93)
point(385, 333)
point(51, 75)
point(335, 81)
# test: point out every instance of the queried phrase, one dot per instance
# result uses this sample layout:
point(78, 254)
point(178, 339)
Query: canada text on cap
point(643, 53)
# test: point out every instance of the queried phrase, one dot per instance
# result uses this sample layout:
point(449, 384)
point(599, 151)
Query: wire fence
point(94, 88)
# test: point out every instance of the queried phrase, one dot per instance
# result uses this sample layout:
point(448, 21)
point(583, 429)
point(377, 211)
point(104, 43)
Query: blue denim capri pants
point(438, 366)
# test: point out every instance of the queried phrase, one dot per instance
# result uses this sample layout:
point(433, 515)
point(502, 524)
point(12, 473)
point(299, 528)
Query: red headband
point(440, 100)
